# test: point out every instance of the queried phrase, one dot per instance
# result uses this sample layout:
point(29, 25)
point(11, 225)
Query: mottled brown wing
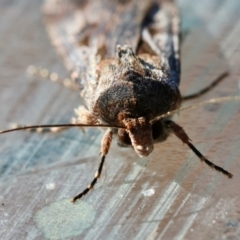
point(82, 30)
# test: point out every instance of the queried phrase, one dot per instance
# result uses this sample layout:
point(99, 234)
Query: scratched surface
point(170, 194)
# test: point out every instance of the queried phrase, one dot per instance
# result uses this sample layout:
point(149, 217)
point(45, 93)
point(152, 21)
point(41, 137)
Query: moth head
point(138, 133)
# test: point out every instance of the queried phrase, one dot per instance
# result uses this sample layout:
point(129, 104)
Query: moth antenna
point(208, 88)
point(105, 146)
point(181, 134)
point(52, 76)
point(197, 105)
point(68, 125)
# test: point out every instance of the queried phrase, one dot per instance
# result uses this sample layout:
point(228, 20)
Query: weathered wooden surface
point(169, 195)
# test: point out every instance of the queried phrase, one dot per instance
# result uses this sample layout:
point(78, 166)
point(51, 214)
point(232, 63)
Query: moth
point(123, 57)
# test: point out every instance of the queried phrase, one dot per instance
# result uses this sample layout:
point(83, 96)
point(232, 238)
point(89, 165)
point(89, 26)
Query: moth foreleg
point(207, 88)
point(105, 146)
point(181, 134)
point(84, 116)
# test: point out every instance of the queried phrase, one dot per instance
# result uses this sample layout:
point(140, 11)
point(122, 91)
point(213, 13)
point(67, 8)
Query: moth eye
point(123, 137)
point(157, 130)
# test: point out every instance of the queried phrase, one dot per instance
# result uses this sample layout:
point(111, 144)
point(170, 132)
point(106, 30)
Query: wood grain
point(169, 195)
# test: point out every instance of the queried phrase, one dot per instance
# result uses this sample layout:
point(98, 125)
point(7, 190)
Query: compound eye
point(157, 130)
point(123, 137)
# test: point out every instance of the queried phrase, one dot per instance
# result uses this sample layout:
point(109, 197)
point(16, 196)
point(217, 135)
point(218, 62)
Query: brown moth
point(123, 57)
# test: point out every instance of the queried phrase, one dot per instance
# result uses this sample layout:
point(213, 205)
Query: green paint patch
point(143, 161)
point(63, 219)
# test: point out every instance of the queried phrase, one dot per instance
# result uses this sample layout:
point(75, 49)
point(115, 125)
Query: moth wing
point(86, 32)
point(64, 21)
point(160, 35)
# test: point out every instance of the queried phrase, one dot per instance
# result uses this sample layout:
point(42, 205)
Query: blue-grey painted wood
point(169, 195)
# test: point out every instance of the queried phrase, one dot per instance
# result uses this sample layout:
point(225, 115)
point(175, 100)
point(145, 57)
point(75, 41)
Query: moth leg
point(53, 77)
point(181, 134)
point(208, 88)
point(84, 116)
point(105, 146)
